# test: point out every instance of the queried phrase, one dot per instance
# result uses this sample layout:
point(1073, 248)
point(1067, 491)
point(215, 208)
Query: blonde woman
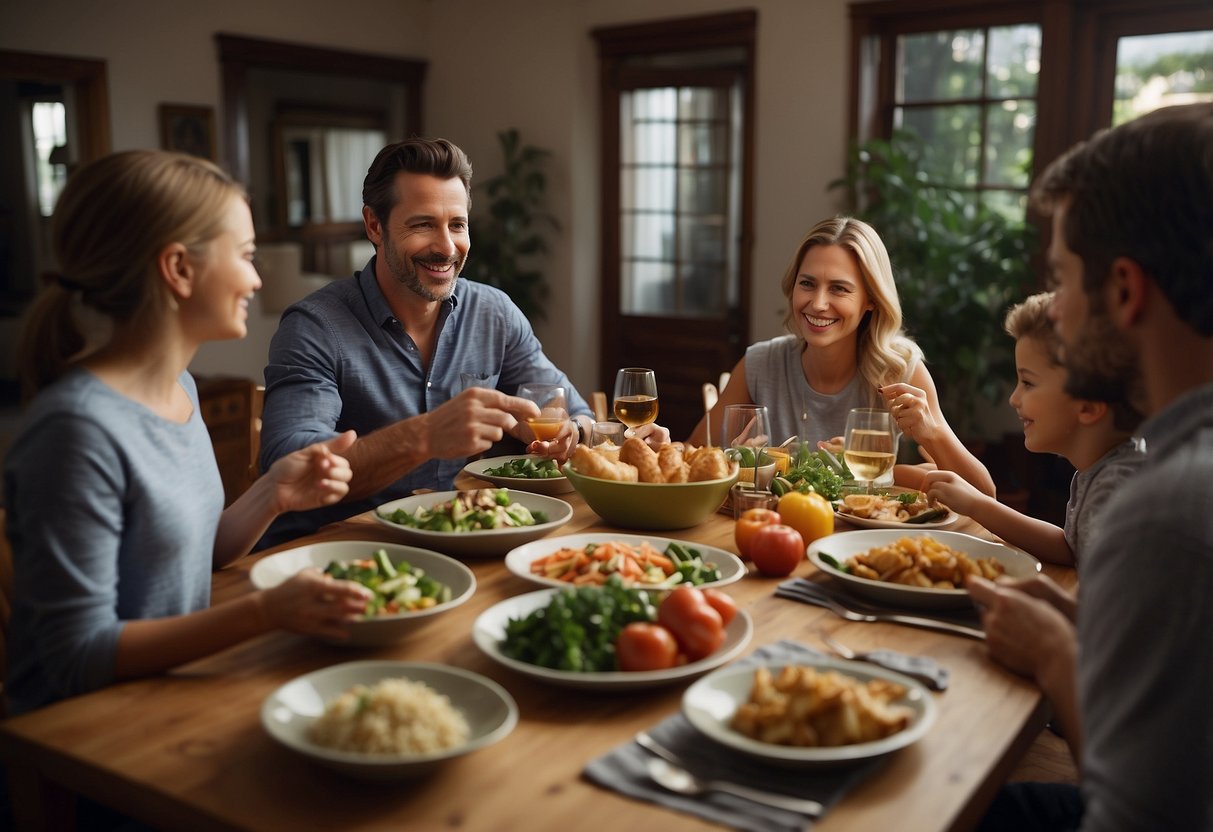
point(846, 349)
point(115, 506)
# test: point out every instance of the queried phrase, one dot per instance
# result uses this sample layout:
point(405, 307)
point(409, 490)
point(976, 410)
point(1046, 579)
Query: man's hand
point(472, 421)
point(1023, 632)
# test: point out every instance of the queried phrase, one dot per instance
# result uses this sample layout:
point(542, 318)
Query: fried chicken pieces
point(637, 462)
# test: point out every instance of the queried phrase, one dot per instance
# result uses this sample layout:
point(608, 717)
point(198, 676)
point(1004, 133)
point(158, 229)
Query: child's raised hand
point(952, 490)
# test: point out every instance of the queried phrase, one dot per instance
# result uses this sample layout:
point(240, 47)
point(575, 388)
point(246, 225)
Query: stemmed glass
point(747, 432)
point(635, 396)
point(870, 444)
point(553, 412)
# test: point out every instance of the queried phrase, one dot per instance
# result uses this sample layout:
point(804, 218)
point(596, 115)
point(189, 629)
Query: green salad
point(397, 587)
point(527, 468)
point(814, 470)
point(578, 628)
point(469, 511)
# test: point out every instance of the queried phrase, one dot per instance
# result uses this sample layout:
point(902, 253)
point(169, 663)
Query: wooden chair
point(598, 403)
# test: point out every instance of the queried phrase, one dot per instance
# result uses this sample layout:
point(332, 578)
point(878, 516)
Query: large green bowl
point(651, 505)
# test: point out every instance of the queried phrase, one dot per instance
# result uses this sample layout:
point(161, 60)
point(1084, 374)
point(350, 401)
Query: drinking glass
point(635, 396)
point(870, 444)
point(610, 433)
point(746, 434)
point(553, 411)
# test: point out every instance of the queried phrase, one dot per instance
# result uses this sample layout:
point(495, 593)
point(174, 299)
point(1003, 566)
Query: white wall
point(526, 64)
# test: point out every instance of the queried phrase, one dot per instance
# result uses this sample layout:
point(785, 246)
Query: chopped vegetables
point(480, 508)
point(639, 564)
point(811, 470)
point(397, 588)
point(527, 468)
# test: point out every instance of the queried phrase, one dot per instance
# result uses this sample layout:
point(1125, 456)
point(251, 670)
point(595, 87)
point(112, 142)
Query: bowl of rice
point(386, 720)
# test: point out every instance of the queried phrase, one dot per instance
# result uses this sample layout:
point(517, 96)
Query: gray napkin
point(967, 615)
point(623, 769)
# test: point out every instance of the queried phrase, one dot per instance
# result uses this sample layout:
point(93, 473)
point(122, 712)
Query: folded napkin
point(623, 769)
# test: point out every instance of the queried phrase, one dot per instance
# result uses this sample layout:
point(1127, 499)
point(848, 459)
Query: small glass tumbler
point(744, 497)
point(610, 433)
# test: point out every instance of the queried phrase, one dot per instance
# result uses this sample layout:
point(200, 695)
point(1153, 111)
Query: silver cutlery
point(805, 591)
point(670, 772)
point(881, 658)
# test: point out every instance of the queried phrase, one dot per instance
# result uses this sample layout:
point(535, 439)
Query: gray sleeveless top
point(776, 379)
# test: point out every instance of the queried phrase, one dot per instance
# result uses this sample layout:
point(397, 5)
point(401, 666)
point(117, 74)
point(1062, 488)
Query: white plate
point(870, 523)
point(383, 629)
point(551, 485)
point(519, 560)
point(489, 630)
point(481, 543)
point(709, 705)
point(288, 712)
point(843, 545)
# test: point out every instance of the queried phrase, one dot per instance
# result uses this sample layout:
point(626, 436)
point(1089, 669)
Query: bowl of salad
point(410, 586)
point(527, 472)
point(482, 522)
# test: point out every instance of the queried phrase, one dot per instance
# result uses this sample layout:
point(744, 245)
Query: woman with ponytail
point(115, 506)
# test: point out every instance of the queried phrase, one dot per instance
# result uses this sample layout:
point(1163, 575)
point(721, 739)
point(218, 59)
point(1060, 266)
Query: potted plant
point(509, 239)
point(958, 265)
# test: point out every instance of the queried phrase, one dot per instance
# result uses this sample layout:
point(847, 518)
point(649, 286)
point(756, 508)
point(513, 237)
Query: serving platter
point(489, 631)
point(481, 543)
point(519, 559)
point(842, 545)
point(709, 705)
point(548, 485)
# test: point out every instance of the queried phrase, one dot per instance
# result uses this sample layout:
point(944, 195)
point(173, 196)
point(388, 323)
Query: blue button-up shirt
point(340, 360)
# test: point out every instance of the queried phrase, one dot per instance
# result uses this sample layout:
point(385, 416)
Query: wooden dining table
point(186, 750)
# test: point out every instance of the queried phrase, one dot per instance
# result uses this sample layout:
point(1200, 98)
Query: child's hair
point(113, 219)
point(1030, 319)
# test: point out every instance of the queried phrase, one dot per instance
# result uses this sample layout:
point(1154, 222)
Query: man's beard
point(405, 272)
point(1102, 365)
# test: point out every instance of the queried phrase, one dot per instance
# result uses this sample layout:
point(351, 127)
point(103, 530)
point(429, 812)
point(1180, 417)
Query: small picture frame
point(188, 129)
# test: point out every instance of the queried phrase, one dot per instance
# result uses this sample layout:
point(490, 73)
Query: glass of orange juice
point(553, 412)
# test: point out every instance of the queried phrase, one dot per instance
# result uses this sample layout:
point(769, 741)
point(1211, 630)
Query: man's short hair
point(433, 157)
point(1143, 190)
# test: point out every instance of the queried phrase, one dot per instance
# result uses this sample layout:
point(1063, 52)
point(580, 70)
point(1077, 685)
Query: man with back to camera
point(1132, 264)
point(388, 353)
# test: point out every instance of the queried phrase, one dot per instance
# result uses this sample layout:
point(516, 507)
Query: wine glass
point(747, 432)
point(609, 433)
point(553, 412)
point(870, 444)
point(635, 396)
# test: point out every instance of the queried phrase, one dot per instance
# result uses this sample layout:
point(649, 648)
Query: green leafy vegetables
point(811, 470)
point(578, 628)
point(527, 468)
point(399, 587)
point(481, 508)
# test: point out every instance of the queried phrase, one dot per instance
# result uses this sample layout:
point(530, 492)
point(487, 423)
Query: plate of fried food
point(524, 472)
point(926, 571)
point(821, 712)
point(893, 508)
point(639, 487)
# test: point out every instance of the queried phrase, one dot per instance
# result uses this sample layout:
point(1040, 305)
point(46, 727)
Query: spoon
point(683, 782)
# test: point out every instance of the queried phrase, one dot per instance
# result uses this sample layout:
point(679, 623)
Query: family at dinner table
point(385, 383)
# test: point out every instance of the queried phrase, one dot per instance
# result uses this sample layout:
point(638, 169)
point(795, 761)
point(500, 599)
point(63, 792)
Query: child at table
point(1095, 436)
point(115, 506)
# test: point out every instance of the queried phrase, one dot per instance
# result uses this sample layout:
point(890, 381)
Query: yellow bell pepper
point(810, 514)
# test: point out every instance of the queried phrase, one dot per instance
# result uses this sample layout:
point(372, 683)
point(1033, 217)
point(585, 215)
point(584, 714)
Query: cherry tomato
point(722, 603)
point(750, 521)
point(776, 550)
point(644, 646)
point(808, 513)
point(694, 623)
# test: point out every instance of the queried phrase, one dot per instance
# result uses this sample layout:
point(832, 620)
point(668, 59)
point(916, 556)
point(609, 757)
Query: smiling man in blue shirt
point(384, 353)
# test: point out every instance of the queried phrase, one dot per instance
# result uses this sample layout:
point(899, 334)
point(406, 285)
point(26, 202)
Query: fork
point(672, 773)
point(915, 667)
point(799, 590)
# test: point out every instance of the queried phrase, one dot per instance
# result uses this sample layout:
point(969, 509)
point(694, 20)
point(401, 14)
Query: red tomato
point(748, 523)
point(722, 603)
point(644, 646)
point(697, 626)
point(776, 550)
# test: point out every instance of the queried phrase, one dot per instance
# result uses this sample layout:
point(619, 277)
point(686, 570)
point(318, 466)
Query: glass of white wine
point(553, 409)
point(871, 444)
point(635, 396)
